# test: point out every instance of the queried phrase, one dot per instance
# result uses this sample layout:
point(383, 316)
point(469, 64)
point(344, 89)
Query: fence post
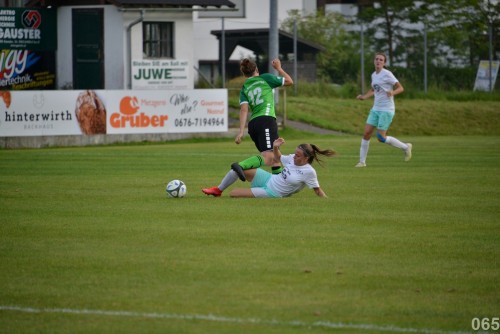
point(284, 108)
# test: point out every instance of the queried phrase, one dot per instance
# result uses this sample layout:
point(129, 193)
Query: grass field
point(415, 117)
point(89, 243)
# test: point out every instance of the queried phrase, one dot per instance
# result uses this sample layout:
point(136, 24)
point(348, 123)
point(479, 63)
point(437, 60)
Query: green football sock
point(276, 169)
point(253, 162)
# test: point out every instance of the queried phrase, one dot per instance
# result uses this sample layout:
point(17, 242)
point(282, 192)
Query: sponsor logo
point(32, 19)
point(130, 115)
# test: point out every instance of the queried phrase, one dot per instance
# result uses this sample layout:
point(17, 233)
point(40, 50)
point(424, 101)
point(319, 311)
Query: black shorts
point(264, 131)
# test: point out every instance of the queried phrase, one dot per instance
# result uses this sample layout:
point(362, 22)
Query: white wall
point(113, 46)
point(114, 63)
point(193, 40)
point(183, 29)
point(344, 9)
point(116, 48)
point(64, 54)
point(256, 16)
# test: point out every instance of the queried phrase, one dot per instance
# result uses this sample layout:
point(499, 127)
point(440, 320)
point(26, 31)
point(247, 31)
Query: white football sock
point(396, 143)
point(230, 178)
point(363, 150)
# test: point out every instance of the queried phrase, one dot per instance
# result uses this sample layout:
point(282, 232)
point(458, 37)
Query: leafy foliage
point(337, 62)
point(456, 35)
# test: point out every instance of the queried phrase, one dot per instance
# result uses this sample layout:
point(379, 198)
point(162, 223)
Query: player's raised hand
point(278, 142)
point(276, 64)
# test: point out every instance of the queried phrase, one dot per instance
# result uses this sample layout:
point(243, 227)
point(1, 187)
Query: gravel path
point(234, 123)
point(310, 128)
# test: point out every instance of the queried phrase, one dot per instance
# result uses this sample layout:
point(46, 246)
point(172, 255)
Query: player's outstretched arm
point(320, 192)
point(276, 149)
point(277, 66)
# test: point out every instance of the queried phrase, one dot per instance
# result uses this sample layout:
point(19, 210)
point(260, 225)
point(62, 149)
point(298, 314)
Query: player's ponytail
point(313, 152)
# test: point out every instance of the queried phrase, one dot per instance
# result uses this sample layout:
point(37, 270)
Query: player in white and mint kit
point(291, 180)
point(384, 87)
point(296, 175)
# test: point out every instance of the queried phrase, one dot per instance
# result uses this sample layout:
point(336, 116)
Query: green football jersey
point(258, 93)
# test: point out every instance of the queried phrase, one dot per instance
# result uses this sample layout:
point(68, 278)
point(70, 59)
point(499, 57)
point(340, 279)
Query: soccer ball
point(176, 189)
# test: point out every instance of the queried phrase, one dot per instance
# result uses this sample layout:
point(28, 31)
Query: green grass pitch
point(89, 242)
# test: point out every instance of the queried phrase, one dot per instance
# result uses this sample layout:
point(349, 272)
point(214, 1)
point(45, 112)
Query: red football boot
point(214, 191)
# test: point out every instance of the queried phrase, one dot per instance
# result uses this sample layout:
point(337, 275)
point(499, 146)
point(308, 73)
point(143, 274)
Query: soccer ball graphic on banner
point(176, 189)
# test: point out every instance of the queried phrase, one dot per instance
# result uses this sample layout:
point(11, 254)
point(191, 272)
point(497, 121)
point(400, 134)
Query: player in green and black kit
point(257, 97)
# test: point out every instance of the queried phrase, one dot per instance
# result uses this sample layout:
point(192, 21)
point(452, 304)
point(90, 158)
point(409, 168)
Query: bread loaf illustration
point(90, 113)
point(5, 95)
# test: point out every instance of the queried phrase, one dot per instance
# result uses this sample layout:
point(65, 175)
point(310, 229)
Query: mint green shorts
point(259, 184)
point(380, 119)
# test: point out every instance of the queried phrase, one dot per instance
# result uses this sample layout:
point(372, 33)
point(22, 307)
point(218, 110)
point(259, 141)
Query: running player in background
point(384, 87)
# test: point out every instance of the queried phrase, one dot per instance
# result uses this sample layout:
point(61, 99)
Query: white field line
point(216, 318)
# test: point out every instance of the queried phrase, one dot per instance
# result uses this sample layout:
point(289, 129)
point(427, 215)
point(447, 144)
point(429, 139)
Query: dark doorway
point(88, 48)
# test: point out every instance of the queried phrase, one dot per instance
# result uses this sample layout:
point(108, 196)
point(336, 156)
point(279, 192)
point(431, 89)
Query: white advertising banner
point(182, 111)
point(38, 113)
point(483, 75)
point(88, 112)
point(160, 74)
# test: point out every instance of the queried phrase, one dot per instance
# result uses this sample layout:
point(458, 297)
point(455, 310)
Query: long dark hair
point(312, 152)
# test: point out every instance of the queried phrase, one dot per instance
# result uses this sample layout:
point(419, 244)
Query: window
point(158, 39)
point(11, 3)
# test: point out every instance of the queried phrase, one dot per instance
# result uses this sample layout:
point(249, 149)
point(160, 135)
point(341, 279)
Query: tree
point(482, 19)
point(386, 27)
point(456, 29)
point(336, 63)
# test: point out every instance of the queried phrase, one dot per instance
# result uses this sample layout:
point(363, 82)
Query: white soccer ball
point(176, 189)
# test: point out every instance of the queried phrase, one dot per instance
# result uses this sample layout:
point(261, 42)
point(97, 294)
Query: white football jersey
point(383, 82)
point(293, 178)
